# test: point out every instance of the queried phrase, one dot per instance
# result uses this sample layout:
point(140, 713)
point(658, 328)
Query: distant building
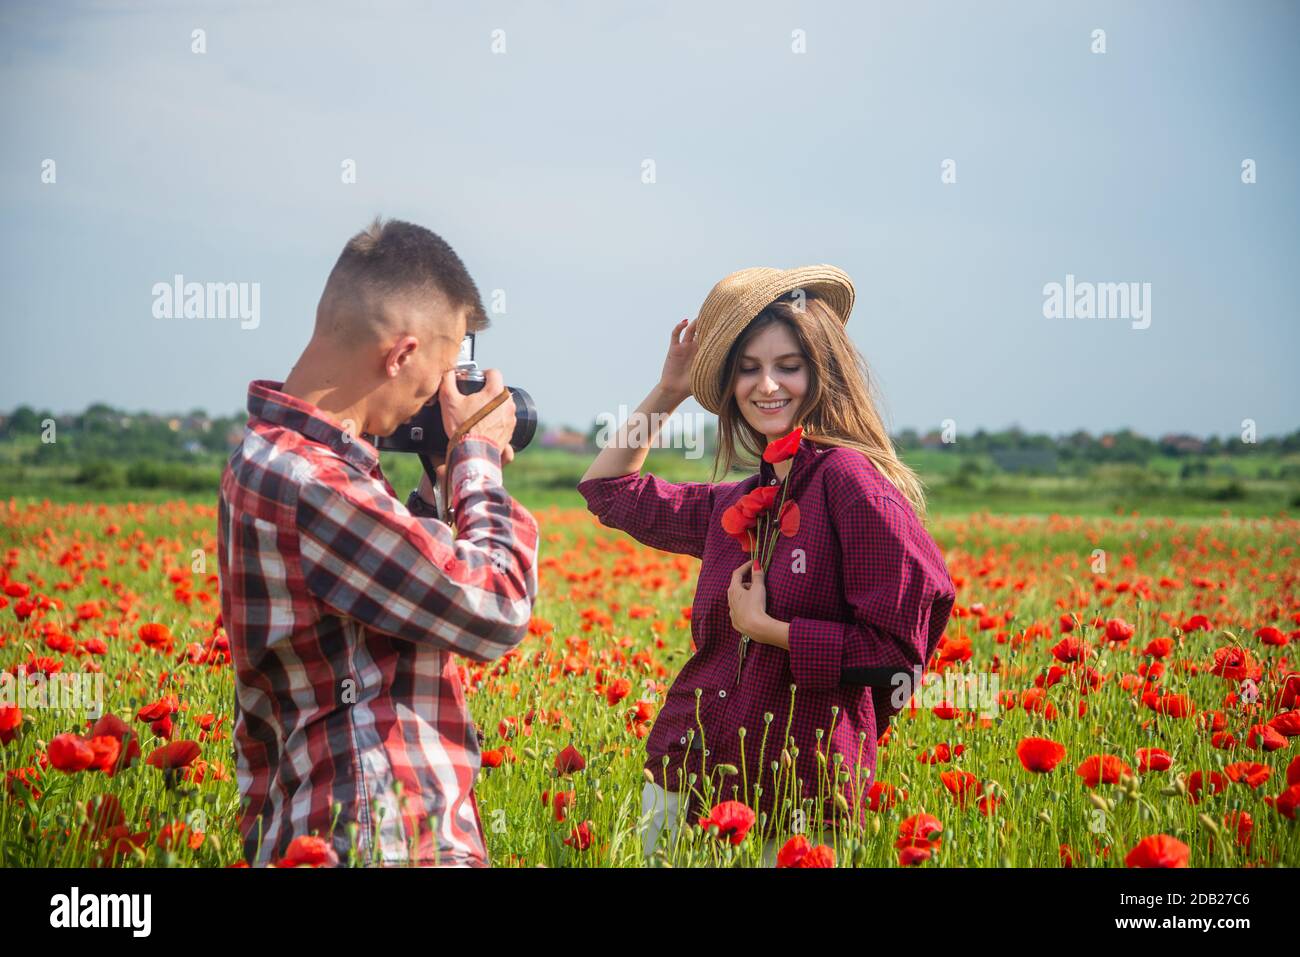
point(566, 439)
point(1181, 443)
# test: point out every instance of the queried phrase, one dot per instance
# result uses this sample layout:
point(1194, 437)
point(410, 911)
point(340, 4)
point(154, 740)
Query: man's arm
point(367, 557)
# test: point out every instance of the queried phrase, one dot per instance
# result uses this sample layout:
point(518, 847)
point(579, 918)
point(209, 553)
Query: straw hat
point(733, 303)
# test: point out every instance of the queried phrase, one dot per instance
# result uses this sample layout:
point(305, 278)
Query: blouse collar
point(805, 454)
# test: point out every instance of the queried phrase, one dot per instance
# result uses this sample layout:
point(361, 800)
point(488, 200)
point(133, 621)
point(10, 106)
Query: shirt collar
point(267, 402)
point(802, 456)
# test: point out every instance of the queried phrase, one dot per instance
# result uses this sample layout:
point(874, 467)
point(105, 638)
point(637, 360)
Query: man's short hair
point(394, 258)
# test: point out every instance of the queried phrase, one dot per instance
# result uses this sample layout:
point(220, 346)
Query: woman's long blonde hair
point(837, 409)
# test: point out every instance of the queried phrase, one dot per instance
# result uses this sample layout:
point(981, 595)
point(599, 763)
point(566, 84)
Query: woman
point(800, 664)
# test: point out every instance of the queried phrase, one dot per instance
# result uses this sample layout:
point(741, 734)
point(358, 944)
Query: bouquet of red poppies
point(764, 515)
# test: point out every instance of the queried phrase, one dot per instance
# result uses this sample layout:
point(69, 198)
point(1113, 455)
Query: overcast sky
point(227, 166)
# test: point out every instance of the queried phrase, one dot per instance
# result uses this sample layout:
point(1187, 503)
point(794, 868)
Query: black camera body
point(424, 434)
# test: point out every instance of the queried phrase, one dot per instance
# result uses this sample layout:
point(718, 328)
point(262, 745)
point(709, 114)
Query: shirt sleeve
point(670, 516)
point(898, 586)
point(367, 557)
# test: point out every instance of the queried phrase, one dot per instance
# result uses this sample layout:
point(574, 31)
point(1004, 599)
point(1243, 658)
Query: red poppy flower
point(580, 837)
point(1286, 802)
point(1039, 754)
point(11, 719)
point(103, 811)
point(1251, 773)
point(1271, 636)
point(733, 820)
point(1235, 664)
point(789, 519)
point(169, 757)
point(111, 725)
point(1117, 629)
point(1242, 824)
point(960, 784)
point(735, 522)
point(617, 690)
point(107, 749)
point(120, 841)
point(792, 851)
point(920, 830)
point(783, 448)
point(309, 851)
point(156, 636)
point(561, 802)
point(1102, 768)
point(1159, 850)
point(1154, 759)
point(1264, 736)
point(912, 856)
point(820, 856)
point(1198, 779)
point(754, 503)
point(569, 760)
point(68, 752)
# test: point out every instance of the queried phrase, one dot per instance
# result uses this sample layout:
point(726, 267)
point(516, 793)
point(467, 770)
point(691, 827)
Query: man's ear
point(399, 355)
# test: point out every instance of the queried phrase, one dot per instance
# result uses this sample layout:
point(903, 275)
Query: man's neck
point(316, 384)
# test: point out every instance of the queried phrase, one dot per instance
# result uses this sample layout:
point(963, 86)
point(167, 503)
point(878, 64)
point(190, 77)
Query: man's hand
point(497, 427)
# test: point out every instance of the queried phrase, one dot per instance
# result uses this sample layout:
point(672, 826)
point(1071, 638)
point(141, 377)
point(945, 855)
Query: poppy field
point(1140, 706)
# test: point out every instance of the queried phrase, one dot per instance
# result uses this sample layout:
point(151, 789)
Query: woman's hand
point(676, 378)
point(748, 601)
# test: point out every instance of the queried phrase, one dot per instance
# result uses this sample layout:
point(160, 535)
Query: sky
point(603, 164)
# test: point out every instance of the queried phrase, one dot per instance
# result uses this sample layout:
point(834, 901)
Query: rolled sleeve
point(364, 555)
point(670, 516)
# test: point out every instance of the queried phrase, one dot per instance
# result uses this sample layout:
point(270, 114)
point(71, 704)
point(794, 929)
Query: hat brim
point(730, 308)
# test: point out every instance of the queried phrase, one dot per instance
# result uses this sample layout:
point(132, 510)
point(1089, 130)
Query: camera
point(423, 433)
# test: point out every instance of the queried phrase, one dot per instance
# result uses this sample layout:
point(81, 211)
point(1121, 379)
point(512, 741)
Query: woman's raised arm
point(626, 452)
point(666, 515)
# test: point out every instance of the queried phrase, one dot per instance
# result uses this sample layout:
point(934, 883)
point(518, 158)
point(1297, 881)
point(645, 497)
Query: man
point(344, 607)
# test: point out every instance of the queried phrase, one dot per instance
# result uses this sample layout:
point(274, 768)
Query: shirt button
point(722, 692)
point(683, 739)
point(773, 482)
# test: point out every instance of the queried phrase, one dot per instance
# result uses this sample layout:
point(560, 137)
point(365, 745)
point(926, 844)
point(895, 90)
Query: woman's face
point(771, 380)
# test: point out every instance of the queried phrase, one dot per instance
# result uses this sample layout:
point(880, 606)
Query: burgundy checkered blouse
point(867, 595)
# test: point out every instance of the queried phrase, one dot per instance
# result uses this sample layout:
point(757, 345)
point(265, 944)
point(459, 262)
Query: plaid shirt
point(344, 612)
point(866, 593)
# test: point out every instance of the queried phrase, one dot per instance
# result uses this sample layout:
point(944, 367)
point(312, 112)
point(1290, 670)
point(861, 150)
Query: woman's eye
point(789, 369)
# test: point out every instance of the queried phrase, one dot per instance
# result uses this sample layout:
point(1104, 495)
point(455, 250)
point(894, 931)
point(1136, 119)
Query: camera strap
point(461, 432)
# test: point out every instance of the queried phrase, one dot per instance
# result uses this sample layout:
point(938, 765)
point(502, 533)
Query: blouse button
point(773, 482)
point(722, 692)
point(683, 739)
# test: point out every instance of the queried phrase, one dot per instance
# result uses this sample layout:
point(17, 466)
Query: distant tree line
point(104, 432)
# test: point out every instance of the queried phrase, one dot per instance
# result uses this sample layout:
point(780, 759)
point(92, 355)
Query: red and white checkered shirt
point(344, 612)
